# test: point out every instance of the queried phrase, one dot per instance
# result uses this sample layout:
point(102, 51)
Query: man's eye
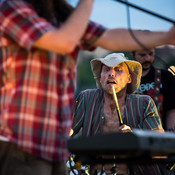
point(118, 69)
point(151, 53)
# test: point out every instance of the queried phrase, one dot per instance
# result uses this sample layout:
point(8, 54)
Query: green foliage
point(84, 75)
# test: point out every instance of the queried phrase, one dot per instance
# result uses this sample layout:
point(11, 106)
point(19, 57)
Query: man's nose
point(148, 57)
point(111, 72)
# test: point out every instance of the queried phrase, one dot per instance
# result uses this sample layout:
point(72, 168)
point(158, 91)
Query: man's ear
point(129, 78)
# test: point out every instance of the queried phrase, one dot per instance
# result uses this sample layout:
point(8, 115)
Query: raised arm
point(121, 39)
point(65, 39)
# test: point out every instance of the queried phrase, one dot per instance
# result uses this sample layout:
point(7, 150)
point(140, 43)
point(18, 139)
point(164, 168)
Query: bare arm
point(65, 38)
point(170, 120)
point(120, 39)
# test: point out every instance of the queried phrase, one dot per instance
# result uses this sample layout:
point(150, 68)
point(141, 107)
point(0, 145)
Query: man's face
point(145, 58)
point(117, 76)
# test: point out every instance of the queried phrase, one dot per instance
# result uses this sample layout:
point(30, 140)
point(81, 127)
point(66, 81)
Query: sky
point(112, 14)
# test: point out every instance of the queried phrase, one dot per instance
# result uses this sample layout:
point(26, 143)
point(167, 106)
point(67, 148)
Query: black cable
point(102, 170)
point(130, 30)
point(171, 165)
point(71, 168)
point(135, 38)
point(147, 11)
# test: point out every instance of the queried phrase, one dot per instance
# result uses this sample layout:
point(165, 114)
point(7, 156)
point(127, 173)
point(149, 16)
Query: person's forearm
point(121, 39)
point(76, 24)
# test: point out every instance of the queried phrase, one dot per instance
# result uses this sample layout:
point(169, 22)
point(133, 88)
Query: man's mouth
point(111, 82)
point(146, 63)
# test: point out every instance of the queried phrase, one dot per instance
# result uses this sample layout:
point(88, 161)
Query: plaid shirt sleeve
point(92, 33)
point(27, 25)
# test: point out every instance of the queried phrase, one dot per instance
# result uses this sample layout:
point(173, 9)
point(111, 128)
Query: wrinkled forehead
point(122, 65)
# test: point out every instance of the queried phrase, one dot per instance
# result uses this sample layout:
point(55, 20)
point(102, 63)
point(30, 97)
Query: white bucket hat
point(111, 60)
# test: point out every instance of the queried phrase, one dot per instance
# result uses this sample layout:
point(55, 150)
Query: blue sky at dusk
point(113, 14)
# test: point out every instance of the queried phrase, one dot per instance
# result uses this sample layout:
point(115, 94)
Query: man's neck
point(145, 72)
point(121, 96)
point(110, 111)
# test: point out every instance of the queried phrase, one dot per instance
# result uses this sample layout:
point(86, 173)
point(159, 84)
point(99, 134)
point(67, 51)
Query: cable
point(135, 38)
point(71, 167)
point(171, 165)
point(147, 11)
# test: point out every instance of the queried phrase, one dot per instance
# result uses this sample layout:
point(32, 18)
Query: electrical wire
point(147, 11)
point(71, 168)
point(136, 39)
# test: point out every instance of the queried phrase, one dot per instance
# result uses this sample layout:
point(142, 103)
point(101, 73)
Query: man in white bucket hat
point(112, 60)
point(96, 109)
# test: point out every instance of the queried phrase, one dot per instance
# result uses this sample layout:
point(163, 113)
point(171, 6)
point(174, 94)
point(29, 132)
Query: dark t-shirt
point(166, 96)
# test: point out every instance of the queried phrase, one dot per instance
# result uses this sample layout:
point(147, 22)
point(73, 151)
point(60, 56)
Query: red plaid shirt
point(36, 86)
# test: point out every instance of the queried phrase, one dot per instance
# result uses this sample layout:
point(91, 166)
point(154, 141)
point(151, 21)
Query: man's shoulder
point(166, 75)
point(162, 70)
point(91, 92)
point(138, 96)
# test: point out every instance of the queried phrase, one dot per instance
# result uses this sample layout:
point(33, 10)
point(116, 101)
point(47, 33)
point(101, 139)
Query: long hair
point(50, 9)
